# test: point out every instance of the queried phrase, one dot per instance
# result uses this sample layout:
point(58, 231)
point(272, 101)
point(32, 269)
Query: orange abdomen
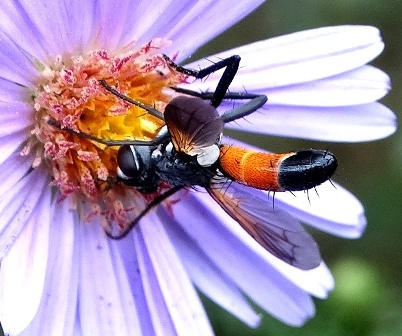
point(255, 169)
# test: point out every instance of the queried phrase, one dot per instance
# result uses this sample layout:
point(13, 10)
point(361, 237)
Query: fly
point(189, 153)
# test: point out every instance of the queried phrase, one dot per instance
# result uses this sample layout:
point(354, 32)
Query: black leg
point(231, 64)
point(244, 110)
point(158, 199)
point(254, 104)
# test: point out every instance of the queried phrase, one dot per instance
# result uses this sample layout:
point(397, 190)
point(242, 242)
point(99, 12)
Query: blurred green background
point(368, 271)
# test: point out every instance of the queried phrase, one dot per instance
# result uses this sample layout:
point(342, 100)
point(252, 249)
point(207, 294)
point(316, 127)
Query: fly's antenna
point(150, 110)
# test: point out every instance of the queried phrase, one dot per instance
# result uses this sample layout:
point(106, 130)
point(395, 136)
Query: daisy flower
point(60, 273)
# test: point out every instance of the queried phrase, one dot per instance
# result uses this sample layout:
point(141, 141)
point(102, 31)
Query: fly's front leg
point(231, 64)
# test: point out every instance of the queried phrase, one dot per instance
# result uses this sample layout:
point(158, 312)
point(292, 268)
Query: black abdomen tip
point(306, 169)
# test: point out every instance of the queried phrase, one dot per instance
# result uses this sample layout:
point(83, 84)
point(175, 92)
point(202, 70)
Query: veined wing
point(193, 124)
point(278, 232)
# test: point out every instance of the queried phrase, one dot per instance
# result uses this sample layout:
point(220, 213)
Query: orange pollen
point(69, 99)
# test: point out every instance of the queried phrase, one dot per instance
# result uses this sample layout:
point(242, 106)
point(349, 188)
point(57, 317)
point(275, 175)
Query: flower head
point(60, 189)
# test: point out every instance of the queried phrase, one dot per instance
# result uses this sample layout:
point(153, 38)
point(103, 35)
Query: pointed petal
point(11, 143)
point(330, 208)
point(16, 63)
point(228, 246)
point(157, 308)
point(13, 95)
point(23, 271)
point(61, 283)
point(191, 24)
point(106, 304)
point(155, 21)
point(15, 117)
point(317, 281)
point(12, 126)
point(127, 252)
point(110, 21)
point(301, 57)
point(12, 171)
point(77, 327)
point(19, 207)
point(209, 279)
point(366, 122)
point(359, 86)
point(174, 304)
point(39, 28)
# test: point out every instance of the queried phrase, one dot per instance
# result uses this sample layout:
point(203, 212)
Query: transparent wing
point(278, 232)
point(192, 123)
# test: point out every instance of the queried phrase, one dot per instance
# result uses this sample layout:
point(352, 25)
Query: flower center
point(70, 100)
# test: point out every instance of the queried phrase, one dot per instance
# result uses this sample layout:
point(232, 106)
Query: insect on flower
point(188, 153)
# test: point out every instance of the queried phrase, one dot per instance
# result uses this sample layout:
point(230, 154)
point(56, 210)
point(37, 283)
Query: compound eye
point(129, 162)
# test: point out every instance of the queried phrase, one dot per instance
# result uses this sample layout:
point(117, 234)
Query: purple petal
point(12, 92)
point(19, 205)
point(15, 110)
point(23, 269)
point(12, 171)
point(61, 282)
point(199, 22)
point(127, 253)
point(174, 304)
point(157, 309)
point(77, 327)
point(342, 124)
point(106, 305)
point(16, 65)
point(110, 21)
point(46, 29)
point(42, 28)
point(359, 86)
point(33, 26)
point(13, 126)
point(208, 278)
point(227, 246)
point(11, 143)
point(301, 57)
point(317, 281)
point(49, 28)
point(330, 208)
point(155, 19)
